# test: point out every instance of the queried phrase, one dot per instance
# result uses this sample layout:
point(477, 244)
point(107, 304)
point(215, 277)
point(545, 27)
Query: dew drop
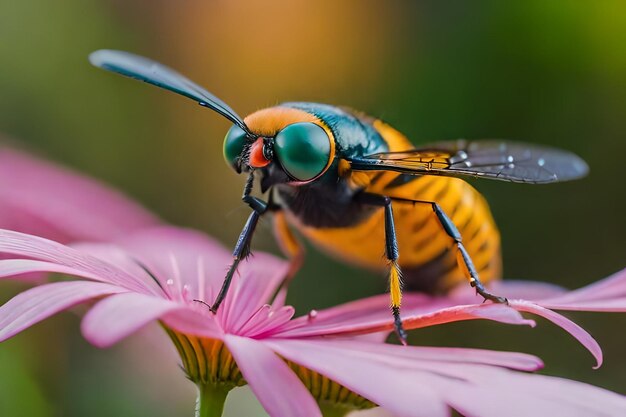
point(185, 291)
point(510, 158)
point(541, 162)
point(170, 282)
point(312, 314)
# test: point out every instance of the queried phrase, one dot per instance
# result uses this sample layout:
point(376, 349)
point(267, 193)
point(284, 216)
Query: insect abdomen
point(428, 256)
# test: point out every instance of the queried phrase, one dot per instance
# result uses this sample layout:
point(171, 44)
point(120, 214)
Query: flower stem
point(211, 399)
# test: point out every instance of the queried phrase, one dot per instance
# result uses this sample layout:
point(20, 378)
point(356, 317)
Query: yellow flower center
point(209, 362)
point(328, 393)
point(206, 361)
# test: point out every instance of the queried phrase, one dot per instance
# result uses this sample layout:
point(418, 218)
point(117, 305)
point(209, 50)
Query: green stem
point(211, 399)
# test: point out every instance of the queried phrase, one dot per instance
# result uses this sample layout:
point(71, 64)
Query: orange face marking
point(268, 122)
point(257, 159)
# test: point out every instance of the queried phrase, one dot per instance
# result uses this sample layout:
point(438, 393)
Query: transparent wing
point(495, 159)
point(147, 70)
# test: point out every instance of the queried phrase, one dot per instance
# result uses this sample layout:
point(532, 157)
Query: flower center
point(328, 393)
point(206, 361)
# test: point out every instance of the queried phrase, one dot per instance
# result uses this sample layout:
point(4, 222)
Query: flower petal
point(264, 320)
point(36, 197)
point(494, 390)
point(569, 326)
point(438, 312)
point(517, 289)
point(473, 388)
point(258, 279)
point(118, 316)
point(39, 303)
point(615, 305)
point(114, 255)
point(184, 257)
point(382, 379)
point(17, 267)
point(276, 386)
point(512, 360)
point(34, 247)
point(611, 290)
point(371, 311)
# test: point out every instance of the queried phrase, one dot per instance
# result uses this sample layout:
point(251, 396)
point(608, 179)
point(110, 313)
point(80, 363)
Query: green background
point(544, 72)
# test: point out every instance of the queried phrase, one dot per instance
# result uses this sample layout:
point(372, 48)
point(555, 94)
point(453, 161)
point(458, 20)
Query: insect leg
point(463, 258)
point(392, 254)
point(242, 248)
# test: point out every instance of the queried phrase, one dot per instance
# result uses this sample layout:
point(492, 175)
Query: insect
point(361, 191)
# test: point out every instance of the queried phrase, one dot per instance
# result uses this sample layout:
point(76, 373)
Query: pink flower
point(44, 199)
point(296, 366)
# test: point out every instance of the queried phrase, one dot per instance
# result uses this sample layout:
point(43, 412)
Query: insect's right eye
point(233, 145)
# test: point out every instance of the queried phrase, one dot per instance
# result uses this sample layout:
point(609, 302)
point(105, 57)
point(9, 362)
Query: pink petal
point(33, 247)
point(276, 386)
point(16, 267)
point(182, 256)
point(497, 392)
point(512, 360)
point(118, 316)
point(304, 327)
point(472, 388)
point(569, 326)
point(380, 378)
point(39, 303)
point(371, 312)
point(264, 320)
point(258, 279)
point(114, 255)
point(376, 307)
point(36, 197)
point(527, 290)
point(495, 312)
point(616, 305)
point(608, 289)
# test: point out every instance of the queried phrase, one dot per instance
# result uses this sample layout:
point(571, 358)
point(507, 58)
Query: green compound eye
point(303, 150)
point(233, 145)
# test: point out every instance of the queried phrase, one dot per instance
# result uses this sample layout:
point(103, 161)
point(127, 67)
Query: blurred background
point(544, 72)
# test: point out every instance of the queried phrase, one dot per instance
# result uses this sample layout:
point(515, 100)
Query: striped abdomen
point(428, 256)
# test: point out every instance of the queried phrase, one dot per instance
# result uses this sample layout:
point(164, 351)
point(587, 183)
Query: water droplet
point(312, 314)
point(541, 162)
point(170, 282)
point(510, 158)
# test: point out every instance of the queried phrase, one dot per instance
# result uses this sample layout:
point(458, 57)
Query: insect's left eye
point(233, 145)
point(303, 150)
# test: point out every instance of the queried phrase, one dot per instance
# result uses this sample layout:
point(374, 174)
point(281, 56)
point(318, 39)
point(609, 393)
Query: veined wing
point(494, 159)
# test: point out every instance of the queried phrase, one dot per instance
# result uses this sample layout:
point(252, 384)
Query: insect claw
point(397, 322)
point(401, 336)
